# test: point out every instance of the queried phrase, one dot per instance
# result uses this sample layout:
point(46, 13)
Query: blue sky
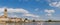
point(32, 9)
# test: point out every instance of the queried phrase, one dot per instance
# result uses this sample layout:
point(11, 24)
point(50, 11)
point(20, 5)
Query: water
point(33, 23)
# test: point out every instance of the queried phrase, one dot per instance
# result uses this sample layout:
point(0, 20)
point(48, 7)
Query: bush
point(49, 20)
point(33, 20)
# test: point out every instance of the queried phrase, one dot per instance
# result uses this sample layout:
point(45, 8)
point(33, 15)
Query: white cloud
point(52, 0)
point(37, 9)
point(49, 12)
point(1, 14)
point(31, 15)
point(17, 10)
point(13, 15)
point(49, 15)
point(48, 0)
point(55, 4)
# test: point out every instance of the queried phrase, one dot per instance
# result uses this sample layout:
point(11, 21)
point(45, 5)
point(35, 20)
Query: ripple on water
point(33, 23)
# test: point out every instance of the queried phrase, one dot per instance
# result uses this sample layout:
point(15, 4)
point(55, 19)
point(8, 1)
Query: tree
point(33, 21)
point(49, 20)
point(26, 19)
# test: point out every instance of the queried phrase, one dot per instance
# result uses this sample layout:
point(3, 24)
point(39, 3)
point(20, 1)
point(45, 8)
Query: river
point(33, 23)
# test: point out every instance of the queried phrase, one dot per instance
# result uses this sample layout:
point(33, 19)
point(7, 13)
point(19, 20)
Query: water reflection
point(33, 23)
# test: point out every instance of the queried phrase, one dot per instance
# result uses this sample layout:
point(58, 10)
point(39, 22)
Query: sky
point(32, 9)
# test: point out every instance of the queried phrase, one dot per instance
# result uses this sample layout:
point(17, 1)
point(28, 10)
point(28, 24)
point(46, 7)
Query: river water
point(33, 23)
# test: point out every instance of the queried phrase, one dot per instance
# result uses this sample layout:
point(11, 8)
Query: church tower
point(5, 13)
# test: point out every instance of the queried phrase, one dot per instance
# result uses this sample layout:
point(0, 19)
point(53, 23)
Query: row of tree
point(32, 20)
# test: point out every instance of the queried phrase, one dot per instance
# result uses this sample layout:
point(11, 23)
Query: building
point(15, 19)
point(5, 18)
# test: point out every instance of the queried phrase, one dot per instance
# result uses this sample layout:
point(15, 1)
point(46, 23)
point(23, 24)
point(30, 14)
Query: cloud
point(49, 12)
point(17, 10)
point(54, 3)
point(37, 9)
point(52, 0)
point(15, 16)
point(31, 15)
point(48, 0)
point(1, 14)
point(49, 15)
